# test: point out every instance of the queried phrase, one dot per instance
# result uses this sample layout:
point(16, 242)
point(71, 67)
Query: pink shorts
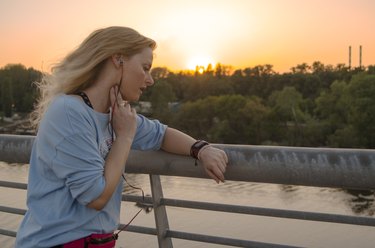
point(107, 240)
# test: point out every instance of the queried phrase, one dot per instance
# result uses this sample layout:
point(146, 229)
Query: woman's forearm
point(114, 167)
point(177, 142)
point(213, 160)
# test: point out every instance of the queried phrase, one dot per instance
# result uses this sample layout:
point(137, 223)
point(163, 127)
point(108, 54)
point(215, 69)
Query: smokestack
point(360, 56)
point(350, 57)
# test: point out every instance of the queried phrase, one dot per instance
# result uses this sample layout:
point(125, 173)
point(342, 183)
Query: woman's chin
point(132, 99)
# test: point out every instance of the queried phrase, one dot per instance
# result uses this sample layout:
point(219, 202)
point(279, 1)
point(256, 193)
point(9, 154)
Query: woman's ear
point(117, 60)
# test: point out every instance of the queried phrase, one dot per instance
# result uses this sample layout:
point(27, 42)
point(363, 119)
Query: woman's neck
point(99, 99)
point(98, 92)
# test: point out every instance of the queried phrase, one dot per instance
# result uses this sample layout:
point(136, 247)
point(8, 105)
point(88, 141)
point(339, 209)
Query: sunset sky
point(241, 33)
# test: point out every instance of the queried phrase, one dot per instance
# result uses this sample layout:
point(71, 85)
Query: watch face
point(196, 147)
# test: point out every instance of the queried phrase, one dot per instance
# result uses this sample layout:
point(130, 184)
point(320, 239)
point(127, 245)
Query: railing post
point(161, 218)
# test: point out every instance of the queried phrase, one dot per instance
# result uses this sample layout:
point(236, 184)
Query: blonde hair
point(79, 68)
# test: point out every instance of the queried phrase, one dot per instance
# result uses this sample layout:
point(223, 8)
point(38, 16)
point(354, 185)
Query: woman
point(86, 129)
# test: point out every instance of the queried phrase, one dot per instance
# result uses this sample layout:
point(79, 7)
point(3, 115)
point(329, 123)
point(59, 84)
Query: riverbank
point(17, 124)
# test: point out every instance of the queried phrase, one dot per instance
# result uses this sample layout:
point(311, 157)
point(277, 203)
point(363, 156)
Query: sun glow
point(200, 63)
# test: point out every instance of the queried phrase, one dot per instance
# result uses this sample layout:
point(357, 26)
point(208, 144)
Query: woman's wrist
point(197, 147)
point(201, 151)
point(124, 139)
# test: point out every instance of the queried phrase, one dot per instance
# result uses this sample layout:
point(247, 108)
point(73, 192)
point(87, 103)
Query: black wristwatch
point(194, 150)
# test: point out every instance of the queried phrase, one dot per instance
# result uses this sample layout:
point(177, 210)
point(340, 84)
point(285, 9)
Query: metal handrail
point(321, 167)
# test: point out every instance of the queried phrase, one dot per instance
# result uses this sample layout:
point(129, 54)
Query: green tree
point(301, 68)
point(309, 85)
point(332, 110)
point(160, 73)
point(371, 69)
point(362, 108)
point(317, 67)
point(6, 96)
point(215, 87)
point(255, 114)
point(161, 95)
point(287, 110)
point(345, 137)
point(224, 119)
point(23, 89)
point(287, 104)
point(332, 105)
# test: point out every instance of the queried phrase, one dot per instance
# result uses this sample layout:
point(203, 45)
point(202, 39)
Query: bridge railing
point(320, 167)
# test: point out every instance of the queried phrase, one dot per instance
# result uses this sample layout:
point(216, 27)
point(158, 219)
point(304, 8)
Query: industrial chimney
point(360, 57)
point(350, 57)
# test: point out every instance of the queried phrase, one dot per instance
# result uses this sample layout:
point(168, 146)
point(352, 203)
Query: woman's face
point(136, 75)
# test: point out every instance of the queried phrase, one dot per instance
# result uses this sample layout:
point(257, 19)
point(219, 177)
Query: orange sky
point(241, 33)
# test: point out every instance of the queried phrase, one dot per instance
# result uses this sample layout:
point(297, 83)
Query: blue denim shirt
point(67, 172)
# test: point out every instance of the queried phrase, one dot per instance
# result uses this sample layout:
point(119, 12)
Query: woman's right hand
point(124, 117)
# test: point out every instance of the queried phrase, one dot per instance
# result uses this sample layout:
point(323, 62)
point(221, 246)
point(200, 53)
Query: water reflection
point(288, 188)
point(359, 202)
point(362, 201)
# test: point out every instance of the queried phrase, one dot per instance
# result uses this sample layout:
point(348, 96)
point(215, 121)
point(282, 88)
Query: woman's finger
point(119, 96)
point(225, 156)
point(222, 166)
point(123, 104)
point(112, 95)
point(219, 174)
point(213, 176)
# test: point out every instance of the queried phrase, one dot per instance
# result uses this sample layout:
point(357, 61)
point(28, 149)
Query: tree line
point(312, 105)
point(17, 89)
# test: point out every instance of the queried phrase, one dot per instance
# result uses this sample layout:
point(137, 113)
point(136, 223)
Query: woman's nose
point(149, 80)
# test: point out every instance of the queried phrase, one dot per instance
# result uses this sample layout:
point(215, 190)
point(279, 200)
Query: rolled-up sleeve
point(78, 161)
point(149, 135)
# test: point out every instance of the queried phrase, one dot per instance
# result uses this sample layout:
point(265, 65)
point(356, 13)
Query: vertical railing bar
point(8, 233)
point(14, 185)
point(11, 210)
point(161, 218)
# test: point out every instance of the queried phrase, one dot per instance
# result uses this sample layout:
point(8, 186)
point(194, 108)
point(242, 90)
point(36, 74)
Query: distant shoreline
point(16, 125)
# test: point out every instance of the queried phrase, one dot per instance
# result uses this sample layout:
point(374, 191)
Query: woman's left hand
point(214, 161)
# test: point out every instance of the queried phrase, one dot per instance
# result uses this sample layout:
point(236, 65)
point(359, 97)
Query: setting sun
point(201, 62)
point(241, 33)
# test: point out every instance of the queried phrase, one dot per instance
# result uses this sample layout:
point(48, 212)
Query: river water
point(256, 228)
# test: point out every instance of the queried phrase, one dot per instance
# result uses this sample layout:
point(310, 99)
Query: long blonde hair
point(79, 68)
